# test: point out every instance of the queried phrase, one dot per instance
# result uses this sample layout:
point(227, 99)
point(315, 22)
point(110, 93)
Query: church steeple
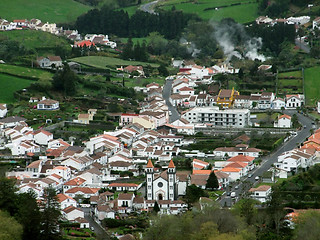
point(149, 180)
point(172, 181)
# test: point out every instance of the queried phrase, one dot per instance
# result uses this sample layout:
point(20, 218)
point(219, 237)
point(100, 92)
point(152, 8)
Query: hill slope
point(58, 11)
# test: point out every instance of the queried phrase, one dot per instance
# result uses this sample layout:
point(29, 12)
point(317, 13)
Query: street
point(98, 230)
point(166, 94)
point(273, 157)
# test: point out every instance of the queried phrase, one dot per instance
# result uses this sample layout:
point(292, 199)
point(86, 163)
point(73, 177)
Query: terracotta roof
point(199, 180)
point(229, 169)
point(171, 164)
point(34, 164)
point(43, 132)
point(70, 209)
point(285, 116)
point(48, 102)
point(75, 182)
point(241, 158)
point(123, 185)
point(201, 172)
point(61, 197)
point(262, 188)
point(125, 196)
point(83, 189)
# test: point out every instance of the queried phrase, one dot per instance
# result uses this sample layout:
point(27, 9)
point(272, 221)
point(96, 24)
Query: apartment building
point(237, 118)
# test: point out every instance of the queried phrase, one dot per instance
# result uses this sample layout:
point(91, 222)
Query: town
point(121, 139)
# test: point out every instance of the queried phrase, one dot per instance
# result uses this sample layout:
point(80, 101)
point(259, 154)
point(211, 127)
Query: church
point(167, 185)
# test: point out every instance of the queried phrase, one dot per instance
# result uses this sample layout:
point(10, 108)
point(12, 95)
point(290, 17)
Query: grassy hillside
point(9, 85)
point(102, 62)
point(42, 42)
point(25, 72)
point(311, 83)
point(58, 11)
point(242, 11)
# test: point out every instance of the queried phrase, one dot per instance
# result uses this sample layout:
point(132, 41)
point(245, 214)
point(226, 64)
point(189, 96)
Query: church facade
point(163, 186)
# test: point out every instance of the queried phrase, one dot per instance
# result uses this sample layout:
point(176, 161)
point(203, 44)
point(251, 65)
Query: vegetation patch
point(311, 79)
point(9, 85)
point(104, 62)
point(240, 11)
point(50, 10)
point(25, 72)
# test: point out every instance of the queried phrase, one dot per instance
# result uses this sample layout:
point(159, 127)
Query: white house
point(278, 103)
point(48, 104)
point(104, 211)
point(49, 62)
point(294, 101)
point(261, 193)
point(71, 213)
point(66, 201)
point(3, 110)
point(316, 23)
point(125, 202)
point(284, 121)
point(240, 149)
point(42, 137)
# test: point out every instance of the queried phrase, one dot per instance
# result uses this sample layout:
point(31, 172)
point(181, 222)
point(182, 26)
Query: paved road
point(99, 231)
point(272, 158)
point(149, 7)
point(166, 94)
point(302, 45)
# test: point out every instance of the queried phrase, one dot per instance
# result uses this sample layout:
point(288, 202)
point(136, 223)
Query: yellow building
point(226, 97)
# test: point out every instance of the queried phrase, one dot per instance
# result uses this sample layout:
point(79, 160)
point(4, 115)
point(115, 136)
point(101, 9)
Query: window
point(149, 187)
point(171, 187)
point(160, 184)
point(149, 179)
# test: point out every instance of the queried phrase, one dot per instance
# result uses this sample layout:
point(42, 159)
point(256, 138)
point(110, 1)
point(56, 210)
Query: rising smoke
point(235, 42)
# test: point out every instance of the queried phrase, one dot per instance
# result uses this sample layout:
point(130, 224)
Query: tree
point(163, 70)
point(28, 214)
point(50, 215)
point(127, 52)
point(212, 181)
point(193, 193)
point(108, 75)
point(10, 229)
point(65, 81)
point(240, 73)
point(8, 197)
point(156, 207)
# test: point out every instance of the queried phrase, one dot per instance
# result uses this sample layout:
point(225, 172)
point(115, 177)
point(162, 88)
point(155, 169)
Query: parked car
point(257, 178)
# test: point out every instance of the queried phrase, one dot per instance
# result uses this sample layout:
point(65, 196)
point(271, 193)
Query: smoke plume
point(235, 42)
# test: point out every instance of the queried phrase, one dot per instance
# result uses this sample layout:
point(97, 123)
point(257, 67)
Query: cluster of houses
point(301, 20)
point(103, 162)
point(37, 24)
point(299, 158)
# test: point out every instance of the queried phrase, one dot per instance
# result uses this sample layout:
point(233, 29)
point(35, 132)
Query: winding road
point(149, 7)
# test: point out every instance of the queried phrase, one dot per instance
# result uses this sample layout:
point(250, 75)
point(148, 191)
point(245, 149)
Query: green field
point(136, 82)
point(36, 40)
point(9, 85)
point(311, 85)
point(297, 74)
point(53, 11)
point(103, 62)
point(25, 72)
point(246, 12)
